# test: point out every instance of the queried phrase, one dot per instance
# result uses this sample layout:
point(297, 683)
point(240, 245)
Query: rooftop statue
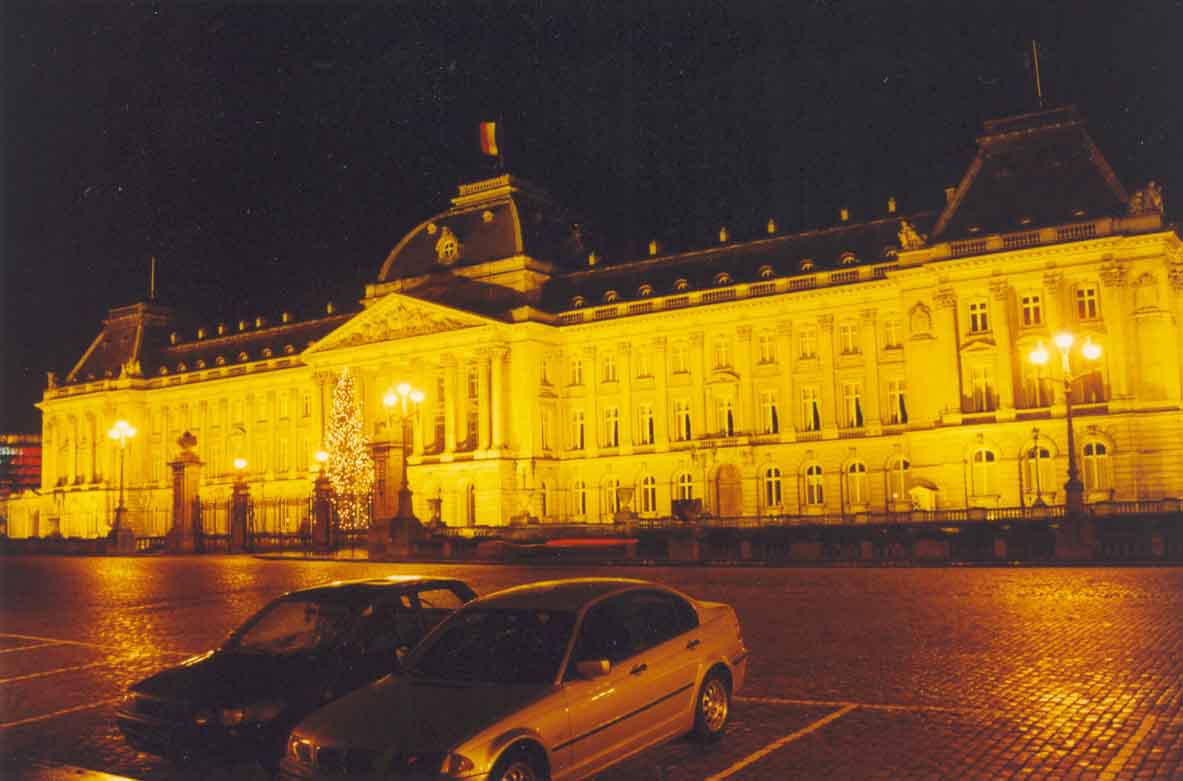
point(1148, 200)
point(910, 238)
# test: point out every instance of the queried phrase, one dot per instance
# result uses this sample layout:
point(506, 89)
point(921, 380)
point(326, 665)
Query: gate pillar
point(322, 514)
point(186, 469)
point(240, 503)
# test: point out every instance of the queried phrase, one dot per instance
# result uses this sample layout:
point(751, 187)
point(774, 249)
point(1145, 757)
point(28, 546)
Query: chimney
point(242, 325)
point(286, 317)
point(844, 213)
point(592, 258)
point(200, 333)
point(723, 235)
point(329, 308)
point(652, 247)
point(221, 329)
point(949, 193)
point(260, 322)
point(771, 226)
point(172, 338)
point(891, 205)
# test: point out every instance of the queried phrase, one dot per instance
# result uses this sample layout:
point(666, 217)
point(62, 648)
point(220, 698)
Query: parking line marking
point(56, 713)
point(1118, 762)
point(867, 705)
point(46, 673)
point(757, 756)
point(30, 647)
point(87, 645)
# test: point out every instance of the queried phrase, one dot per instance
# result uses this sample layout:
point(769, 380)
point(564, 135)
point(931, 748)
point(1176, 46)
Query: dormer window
point(243, 356)
point(807, 265)
point(578, 302)
point(682, 285)
point(611, 297)
point(181, 367)
point(163, 371)
point(266, 352)
point(220, 360)
point(847, 258)
point(645, 290)
point(766, 272)
point(288, 349)
point(723, 278)
point(200, 364)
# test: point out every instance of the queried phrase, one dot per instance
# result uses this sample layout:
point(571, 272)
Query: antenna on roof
point(1035, 65)
point(152, 281)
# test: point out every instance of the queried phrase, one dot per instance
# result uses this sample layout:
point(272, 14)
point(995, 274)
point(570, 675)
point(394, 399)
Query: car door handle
point(693, 644)
point(640, 668)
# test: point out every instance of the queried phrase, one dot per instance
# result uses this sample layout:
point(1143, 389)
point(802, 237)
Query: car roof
point(567, 594)
point(348, 588)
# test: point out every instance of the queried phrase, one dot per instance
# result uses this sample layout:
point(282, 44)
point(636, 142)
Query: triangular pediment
point(398, 317)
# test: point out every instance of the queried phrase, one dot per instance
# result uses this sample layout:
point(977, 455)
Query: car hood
point(221, 678)
point(410, 715)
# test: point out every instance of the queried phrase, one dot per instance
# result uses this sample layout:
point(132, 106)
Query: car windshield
point(497, 646)
point(298, 626)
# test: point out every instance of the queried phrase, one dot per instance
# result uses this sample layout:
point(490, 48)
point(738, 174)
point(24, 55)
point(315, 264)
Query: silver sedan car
point(554, 680)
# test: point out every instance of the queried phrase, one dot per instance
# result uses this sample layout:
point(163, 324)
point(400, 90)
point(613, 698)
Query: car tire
point(520, 764)
point(712, 707)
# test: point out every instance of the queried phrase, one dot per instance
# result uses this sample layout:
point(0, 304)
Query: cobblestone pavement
point(990, 673)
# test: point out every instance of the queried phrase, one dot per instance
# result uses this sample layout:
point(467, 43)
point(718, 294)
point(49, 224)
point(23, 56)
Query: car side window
point(604, 633)
point(436, 604)
point(656, 617)
point(388, 623)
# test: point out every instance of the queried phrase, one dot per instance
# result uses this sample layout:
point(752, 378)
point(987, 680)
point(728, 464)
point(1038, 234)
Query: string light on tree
point(349, 467)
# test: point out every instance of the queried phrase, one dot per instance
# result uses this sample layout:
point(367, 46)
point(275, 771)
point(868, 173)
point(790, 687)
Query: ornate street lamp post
point(121, 432)
point(1074, 488)
point(406, 400)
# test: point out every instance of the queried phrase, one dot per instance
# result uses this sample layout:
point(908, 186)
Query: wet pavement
point(990, 673)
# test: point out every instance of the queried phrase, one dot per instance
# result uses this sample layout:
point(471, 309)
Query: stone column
point(872, 409)
point(786, 407)
point(497, 396)
point(829, 392)
point(1056, 316)
point(661, 401)
point(627, 413)
point(484, 361)
point(745, 364)
point(1005, 365)
point(698, 414)
point(591, 414)
point(186, 471)
point(1119, 348)
point(948, 354)
point(450, 404)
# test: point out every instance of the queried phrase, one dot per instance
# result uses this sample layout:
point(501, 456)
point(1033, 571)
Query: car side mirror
point(593, 668)
point(400, 655)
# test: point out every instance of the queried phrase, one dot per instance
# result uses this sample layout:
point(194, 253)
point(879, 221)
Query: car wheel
point(518, 765)
point(712, 708)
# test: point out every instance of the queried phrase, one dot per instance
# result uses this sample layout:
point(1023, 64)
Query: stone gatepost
point(240, 503)
point(385, 493)
point(182, 538)
point(322, 514)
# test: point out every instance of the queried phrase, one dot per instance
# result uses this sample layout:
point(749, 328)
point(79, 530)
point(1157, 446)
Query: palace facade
point(864, 367)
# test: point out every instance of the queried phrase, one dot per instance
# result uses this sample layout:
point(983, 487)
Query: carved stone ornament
point(1051, 280)
point(1175, 275)
point(447, 248)
point(909, 237)
point(187, 441)
point(1113, 274)
point(868, 315)
point(945, 298)
point(920, 319)
point(1148, 200)
point(398, 322)
point(826, 322)
point(131, 368)
point(999, 288)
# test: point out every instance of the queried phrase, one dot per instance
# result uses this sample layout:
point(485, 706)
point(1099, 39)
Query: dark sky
point(270, 155)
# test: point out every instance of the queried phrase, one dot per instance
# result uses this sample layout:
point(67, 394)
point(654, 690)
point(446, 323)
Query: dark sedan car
point(302, 650)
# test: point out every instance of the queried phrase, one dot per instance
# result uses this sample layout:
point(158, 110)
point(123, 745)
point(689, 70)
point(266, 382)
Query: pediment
point(398, 317)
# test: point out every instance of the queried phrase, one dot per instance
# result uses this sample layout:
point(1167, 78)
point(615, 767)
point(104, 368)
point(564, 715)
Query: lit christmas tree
point(349, 468)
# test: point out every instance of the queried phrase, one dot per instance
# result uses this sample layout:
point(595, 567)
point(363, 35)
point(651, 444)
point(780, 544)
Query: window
point(984, 472)
point(806, 265)
point(856, 484)
point(609, 368)
point(769, 419)
point(852, 399)
point(814, 486)
point(306, 405)
point(579, 493)
point(577, 430)
point(726, 415)
point(1038, 471)
point(612, 496)
point(981, 397)
point(808, 341)
point(978, 317)
point(1037, 392)
point(685, 486)
point(767, 344)
point(544, 370)
point(611, 427)
point(543, 493)
point(897, 479)
point(576, 371)
point(283, 455)
point(892, 330)
point(811, 419)
point(682, 431)
point(897, 407)
point(643, 363)
point(611, 296)
point(722, 352)
point(285, 405)
point(649, 495)
point(1096, 466)
point(472, 381)
point(848, 338)
point(645, 419)
point(679, 357)
point(545, 426)
point(1032, 310)
point(772, 487)
point(1086, 302)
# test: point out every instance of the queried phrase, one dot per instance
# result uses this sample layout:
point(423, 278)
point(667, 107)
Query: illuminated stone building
point(864, 367)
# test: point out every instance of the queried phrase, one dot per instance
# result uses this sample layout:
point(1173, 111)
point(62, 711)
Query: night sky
point(270, 155)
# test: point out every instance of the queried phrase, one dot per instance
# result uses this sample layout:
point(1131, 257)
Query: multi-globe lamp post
point(1090, 351)
point(122, 432)
point(405, 400)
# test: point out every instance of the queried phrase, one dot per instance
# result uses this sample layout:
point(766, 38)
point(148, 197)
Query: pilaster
point(948, 354)
point(1004, 367)
point(745, 363)
point(449, 400)
point(661, 412)
point(872, 410)
point(829, 393)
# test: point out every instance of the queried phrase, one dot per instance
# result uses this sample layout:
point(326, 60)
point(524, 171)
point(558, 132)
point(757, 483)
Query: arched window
point(681, 285)
point(847, 258)
point(684, 486)
point(807, 265)
point(897, 479)
point(1096, 466)
point(814, 486)
point(984, 472)
point(856, 484)
point(723, 278)
point(649, 494)
point(772, 487)
point(766, 272)
point(611, 296)
point(579, 493)
point(645, 290)
point(1038, 471)
point(726, 417)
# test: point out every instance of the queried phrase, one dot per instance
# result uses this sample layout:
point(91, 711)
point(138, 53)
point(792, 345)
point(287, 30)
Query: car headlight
point(455, 765)
point(300, 749)
point(264, 710)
